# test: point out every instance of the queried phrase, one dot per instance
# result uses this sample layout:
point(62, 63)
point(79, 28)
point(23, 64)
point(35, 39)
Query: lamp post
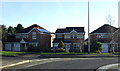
point(88, 30)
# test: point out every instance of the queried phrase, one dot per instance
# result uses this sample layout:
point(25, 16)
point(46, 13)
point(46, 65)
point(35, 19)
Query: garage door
point(8, 47)
point(104, 48)
point(16, 47)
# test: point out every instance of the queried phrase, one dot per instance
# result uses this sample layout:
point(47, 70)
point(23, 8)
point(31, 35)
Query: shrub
point(61, 44)
point(96, 46)
point(60, 50)
point(75, 50)
point(32, 48)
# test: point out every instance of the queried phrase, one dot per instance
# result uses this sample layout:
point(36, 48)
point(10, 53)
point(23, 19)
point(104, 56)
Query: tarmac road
point(67, 64)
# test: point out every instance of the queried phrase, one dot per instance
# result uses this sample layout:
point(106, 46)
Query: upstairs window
point(59, 35)
point(103, 36)
point(67, 36)
point(80, 36)
point(73, 35)
point(34, 35)
point(76, 45)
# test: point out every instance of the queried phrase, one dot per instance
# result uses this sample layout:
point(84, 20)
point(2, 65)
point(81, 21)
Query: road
point(73, 64)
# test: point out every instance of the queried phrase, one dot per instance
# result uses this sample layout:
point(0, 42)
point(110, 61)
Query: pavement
point(12, 61)
point(110, 67)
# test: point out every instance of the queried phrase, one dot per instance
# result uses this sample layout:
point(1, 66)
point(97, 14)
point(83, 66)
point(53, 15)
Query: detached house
point(104, 35)
point(73, 37)
point(115, 43)
point(34, 35)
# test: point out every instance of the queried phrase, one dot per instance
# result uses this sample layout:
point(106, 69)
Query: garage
point(16, 47)
point(8, 47)
point(104, 48)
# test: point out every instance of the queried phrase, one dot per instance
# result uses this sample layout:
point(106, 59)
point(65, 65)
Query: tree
point(19, 28)
point(4, 32)
point(96, 46)
point(110, 19)
point(11, 30)
point(61, 44)
point(111, 22)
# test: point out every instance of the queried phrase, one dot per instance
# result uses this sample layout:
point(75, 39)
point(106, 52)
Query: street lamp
point(88, 30)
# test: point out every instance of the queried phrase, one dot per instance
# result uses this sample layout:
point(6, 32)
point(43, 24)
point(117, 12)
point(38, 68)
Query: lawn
point(12, 53)
point(72, 53)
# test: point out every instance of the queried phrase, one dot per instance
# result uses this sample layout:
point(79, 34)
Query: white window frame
point(34, 44)
point(34, 35)
point(56, 44)
point(73, 34)
point(67, 36)
point(59, 36)
point(77, 45)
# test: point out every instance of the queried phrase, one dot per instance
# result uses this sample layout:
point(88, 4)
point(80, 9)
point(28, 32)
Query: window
point(76, 45)
point(56, 44)
point(34, 44)
point(67, 35)
point(73, 35)
point(24, 36)
point(103, 36)
point(34, 35)
point(59, 35)
point(80, 36)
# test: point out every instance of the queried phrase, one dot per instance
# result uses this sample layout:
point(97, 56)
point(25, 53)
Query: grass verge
point(12, 53)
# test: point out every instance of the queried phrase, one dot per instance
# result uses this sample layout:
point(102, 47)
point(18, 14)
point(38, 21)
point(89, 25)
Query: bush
point(74, 50)
point(60, 50)
point(61, 44)
point(32, 48)
point(96, 46)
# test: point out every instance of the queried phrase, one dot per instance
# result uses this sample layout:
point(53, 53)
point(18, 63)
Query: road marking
point(26, 61)
point(38, 64)
point(50, 60)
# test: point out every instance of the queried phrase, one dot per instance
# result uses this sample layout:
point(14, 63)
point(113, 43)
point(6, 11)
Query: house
point(115, 42)
point(104, 35)
point(73, 37)
point(34, 35)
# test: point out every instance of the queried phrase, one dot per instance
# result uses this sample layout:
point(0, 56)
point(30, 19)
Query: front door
point(67, 47)
point(104, 48)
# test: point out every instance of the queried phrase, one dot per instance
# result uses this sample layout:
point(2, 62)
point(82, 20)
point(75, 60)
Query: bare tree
point(111, 21)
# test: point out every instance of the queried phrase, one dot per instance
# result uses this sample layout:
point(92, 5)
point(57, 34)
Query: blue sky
point(53, 15)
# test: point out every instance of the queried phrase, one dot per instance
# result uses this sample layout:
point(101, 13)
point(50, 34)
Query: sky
point(58, 14)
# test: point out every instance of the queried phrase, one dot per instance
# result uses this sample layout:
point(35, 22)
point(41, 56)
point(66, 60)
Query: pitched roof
point(60, 31)
point(118, 30)
point(15, 40)
point(26, 30)
point(106, 28)
point(69, 29)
